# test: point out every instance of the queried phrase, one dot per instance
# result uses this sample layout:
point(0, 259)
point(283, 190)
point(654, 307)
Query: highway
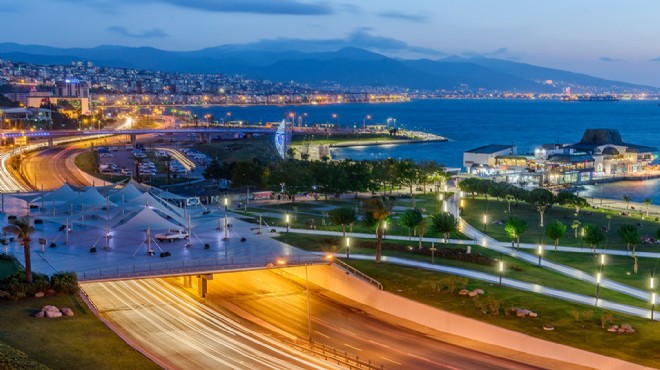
point(182, 333)
point(283, 303)
point(48, 169)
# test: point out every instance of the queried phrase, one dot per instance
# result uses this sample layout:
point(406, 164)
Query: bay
point(470, 123)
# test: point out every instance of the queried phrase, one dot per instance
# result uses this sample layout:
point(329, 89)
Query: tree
point(647, 203)
point(445, 224)
point(555, 231)
point(342, 216)
point(246, 173)
point(509, 198)
point(571, 200)
point(542, 198)
point(514, 228)
point(421, 230)
point(575, 226)
point(379, 209)
point(609, 222)
point(593, 236)
point(214, 171)
point(629, 234)
point(627, 199)
point(22, 230)
point(410, 219)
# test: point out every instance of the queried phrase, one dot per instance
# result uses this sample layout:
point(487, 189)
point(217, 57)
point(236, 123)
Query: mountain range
point(351, 67)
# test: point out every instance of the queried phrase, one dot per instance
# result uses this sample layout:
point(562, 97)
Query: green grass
point(521, 270)
point(496, 210)
point(421, 285)
point(261, 148)
point(79, 342)
point(341, 138)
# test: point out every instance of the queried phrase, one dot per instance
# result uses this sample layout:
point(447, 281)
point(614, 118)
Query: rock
point(613, 328)
point(520, 314)
point(533, 314)
point(479, 291)
point(525, 312)
point(39, 294)
point(53, 314)
point(548, 327)
point(463, 292)
point(66, 311)
point(626, 328)
point(50, 309)
point(473, 294)
point(40, 314)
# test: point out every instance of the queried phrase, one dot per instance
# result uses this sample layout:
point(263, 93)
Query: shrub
point(606, 318)
point(65, 282)
point(11, 358)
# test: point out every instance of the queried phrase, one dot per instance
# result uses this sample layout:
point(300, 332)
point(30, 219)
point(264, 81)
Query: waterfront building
point(483, 160)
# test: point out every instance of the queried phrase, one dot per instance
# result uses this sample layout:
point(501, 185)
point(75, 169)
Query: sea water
point(470, 123)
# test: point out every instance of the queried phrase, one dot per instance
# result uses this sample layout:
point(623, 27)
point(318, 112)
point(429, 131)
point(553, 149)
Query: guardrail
point(359, 274)
point(196, 266)
point(329, 353)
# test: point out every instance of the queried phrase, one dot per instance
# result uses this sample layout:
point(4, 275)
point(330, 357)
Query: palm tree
point(630, 235)
point(626, 198)
point(515, 227)
point(22, 229)
point(444, 223)
point(379, 209)
point(410, 219)
point(555, 231)
point(647, 203)
point(342, 216)
point(593, 236)
point(575, 226)
point(609, 222)
point(509, 198)
point(421, 230)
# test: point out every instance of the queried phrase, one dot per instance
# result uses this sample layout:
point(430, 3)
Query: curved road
point(50, 168)
point(271, 295)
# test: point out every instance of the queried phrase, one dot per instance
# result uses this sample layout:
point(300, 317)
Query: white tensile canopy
point(91, 198)
point(62, 194)
point(127, 193)
point(145, 218)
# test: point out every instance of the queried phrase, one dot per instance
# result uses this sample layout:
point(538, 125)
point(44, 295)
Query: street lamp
point(384, 229)
point(226, 201)
point(540, 253)
point(433, 249)
point(287, 219)
point(501, 268)
point(652, 286)
point(364, 122)
point(485, 221)
point(441, 197)
point(348, 248)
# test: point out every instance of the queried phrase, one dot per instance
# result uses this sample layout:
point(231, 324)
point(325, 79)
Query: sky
point(604, 38)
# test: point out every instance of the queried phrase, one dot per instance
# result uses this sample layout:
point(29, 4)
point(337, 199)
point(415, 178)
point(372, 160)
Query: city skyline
point(604, 38)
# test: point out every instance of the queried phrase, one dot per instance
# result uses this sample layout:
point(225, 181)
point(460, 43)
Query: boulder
point(627, 328)
point(40, 314)
point(473, 294)
point(39, 294)
point(479, 291)
point(533, 314)
point(525, 312)
point(520, 313)
point(50, 309)
point(613, 328)
point(66, 311)
point(548, 327)
point(53, 314)
point(463, 292)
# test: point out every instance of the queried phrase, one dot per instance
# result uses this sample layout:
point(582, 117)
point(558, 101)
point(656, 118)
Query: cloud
point(155, 33)
point(360, 38)
point(608, 59)
point(288, 7)
point(393, 14)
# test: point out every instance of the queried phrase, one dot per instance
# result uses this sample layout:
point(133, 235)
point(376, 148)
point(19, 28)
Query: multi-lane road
point(182, 333)
point(280, 300)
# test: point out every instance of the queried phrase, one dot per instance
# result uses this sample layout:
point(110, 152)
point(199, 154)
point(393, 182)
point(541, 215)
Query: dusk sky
point(604, 38)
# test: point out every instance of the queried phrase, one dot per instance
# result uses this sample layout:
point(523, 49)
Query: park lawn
point(617, 268)
point(421, 285)
point(332, 138)
point(521, 270)
point(495, 210)
point(79, 342)
point(7, 267)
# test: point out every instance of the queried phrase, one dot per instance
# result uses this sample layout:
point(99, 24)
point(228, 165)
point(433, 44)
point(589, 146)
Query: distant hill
point(348, 66)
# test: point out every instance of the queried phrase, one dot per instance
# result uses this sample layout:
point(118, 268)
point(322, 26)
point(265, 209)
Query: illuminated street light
point(598, 278)
point(540, 250)
point(287, 220)
point(652, 286)
point(485, 221)
point(501, 269)
point(348, 248)
point(226, 201)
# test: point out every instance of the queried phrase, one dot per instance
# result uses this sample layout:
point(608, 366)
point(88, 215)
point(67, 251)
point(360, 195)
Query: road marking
point(321, 334)
point(355, 348)
point(378, 343)
point(392, 361)
point(348, 332)
point(256, 278)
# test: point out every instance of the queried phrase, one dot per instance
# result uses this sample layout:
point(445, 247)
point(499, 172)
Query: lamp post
point(226, 202)
point(485, 221)
point(287, 219)
point(433, 249)
point(364, 122)
point(501, 268)
point(540, 253)
point(652, 286)
point(384, 229)
point(441, 197)
point(348, 248)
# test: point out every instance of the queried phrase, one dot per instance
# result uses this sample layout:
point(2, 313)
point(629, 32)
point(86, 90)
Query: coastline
point(349, 144)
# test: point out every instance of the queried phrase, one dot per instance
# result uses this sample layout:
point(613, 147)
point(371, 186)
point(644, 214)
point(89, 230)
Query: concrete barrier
point(340, 282)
